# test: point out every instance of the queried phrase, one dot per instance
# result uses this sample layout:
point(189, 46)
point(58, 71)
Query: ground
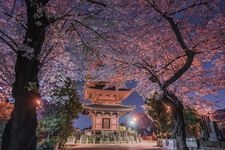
point(130, 146)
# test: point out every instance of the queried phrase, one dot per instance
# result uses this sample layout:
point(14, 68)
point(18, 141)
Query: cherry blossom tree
point(34, 32)
point(174, 48)
point(171, 47)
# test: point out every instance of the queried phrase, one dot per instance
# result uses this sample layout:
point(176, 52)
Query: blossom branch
point(188, 52)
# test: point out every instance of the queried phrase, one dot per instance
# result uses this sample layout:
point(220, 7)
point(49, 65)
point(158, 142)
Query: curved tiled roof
point(108, 107)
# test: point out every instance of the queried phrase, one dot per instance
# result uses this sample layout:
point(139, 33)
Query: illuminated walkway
point(140, 146)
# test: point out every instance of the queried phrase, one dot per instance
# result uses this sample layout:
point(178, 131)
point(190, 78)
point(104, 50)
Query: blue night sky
point(220, 97)
point(136, 100)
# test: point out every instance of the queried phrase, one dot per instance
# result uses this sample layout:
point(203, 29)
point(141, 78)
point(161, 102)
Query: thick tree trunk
point(20, 131)
point(179, 126)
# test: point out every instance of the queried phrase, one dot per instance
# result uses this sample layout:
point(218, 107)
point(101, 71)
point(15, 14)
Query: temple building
point(106, 107)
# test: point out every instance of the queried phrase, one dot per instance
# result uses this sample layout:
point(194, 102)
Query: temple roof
point(101, 107)
point(102, 85)
point(98, 92)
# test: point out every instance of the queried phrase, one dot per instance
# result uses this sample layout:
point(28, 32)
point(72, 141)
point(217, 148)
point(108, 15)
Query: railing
point(84, 139)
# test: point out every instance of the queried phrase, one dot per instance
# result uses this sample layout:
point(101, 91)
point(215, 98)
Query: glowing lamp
point(38, 103)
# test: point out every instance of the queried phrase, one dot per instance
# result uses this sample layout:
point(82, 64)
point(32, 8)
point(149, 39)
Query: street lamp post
point(134, 123)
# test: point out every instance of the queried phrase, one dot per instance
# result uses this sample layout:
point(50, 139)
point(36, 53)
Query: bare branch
point(45, 57)
point(149, 68)
point(14, 5)
point(97, 2)
point(4, 73)
point(91, 29)
point(3, 7)
point(182, 70)
point(10, 38)
point(7, 43)
point(67, 14)
point(189, 7)
point(21, 23)
point(172, 61)
point(6, 81)
point(82, 40)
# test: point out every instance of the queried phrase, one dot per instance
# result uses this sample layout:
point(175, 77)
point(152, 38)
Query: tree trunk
point(20, 131)
point(179, 126)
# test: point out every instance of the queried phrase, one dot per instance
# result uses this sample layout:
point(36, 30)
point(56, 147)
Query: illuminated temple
point(106, 107)
point(105, 110)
